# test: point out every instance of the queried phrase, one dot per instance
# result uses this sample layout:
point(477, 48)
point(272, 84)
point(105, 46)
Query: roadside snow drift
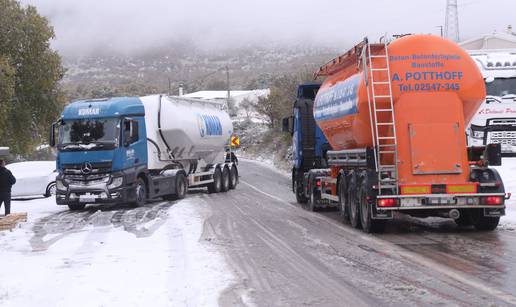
point(150, 256)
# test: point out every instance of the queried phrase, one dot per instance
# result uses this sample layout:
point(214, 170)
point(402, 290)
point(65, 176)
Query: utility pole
point(441, 27)
point(229, 91)
point(451, 27)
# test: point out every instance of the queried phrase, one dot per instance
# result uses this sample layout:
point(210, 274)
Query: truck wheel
point(343, 204)
point(312, 202)
point(225, 180)
point(482, 222)
point(75, 207)
point(300, 195)
point(215, 186)
point(354, 210)
point(141, 193)
point(369, 225)
point(181, 186)
point(464, 219)
point(233, 177)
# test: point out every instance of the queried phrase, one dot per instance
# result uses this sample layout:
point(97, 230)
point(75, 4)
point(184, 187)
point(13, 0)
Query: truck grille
point(86, 179)
point(93, 168)
point(502, 137)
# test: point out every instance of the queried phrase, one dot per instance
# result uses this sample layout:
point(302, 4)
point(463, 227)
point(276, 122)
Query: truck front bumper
point(87, 193)
point(91, 195)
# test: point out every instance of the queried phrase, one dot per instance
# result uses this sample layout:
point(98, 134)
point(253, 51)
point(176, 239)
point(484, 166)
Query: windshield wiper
point(509, 96)
point(490, 98)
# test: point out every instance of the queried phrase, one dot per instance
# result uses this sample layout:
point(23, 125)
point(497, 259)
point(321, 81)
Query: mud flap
point(379, 214)
point(496, 212)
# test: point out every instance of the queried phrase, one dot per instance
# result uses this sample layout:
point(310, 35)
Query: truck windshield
point(89, 134)
point(501, 87)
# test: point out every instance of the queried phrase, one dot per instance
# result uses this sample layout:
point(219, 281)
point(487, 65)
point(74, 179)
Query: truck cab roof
point(104, 107)
point(496, 63)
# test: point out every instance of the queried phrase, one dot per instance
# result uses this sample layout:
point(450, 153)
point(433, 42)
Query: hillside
point(250, 68)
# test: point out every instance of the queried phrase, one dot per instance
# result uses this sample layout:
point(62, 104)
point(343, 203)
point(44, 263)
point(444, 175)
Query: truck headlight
point(116, 182)
point(477, 134)
point(60, 186)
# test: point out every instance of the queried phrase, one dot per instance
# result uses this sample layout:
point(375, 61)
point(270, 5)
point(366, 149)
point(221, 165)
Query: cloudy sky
point(129, 25)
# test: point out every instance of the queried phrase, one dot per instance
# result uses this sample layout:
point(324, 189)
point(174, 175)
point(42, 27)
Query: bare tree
point(248, 106)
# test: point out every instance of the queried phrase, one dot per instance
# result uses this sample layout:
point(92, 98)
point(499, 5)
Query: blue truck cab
point(101, 151)
point(309, 145)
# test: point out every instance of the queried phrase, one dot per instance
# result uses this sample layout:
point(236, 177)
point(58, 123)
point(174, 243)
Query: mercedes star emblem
point(86, 168)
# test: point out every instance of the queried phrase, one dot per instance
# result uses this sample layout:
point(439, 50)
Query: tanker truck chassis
point(413, 160)
point(351, 185)
point(130, 150)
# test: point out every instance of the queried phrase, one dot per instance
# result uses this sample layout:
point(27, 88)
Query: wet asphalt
point(283, 255)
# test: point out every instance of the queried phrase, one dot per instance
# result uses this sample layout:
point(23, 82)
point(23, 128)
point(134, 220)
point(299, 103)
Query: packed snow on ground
point(508, 173)
point(103, 265)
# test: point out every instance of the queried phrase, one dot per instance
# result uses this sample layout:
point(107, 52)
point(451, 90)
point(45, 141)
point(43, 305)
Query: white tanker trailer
point(132, 149)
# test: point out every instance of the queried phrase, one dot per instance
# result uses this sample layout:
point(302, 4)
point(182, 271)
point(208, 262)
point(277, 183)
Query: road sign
point(235, 141)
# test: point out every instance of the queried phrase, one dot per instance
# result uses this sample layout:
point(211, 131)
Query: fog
point(126, 26)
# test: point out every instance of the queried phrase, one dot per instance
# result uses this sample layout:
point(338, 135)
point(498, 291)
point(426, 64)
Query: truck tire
point(354, 210)
point(312, 202)
point(76, 207)
point(343, 203)
point(141, 193)
point(181, 186)
point(481, 222)
point(369, 225)
point(300, 194)
point(225, 180)
point(215, 186)
point(464, 219)
point(233, 177)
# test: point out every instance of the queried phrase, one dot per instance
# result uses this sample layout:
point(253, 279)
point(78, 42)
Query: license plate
point(86, 199)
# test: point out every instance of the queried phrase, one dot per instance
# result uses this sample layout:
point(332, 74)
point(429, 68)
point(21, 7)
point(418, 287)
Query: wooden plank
point(10, 221)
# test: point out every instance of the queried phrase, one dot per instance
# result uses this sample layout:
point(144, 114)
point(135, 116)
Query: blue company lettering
point(429, 76)
point(431, 57)
point(339, 100)
point(212, 124)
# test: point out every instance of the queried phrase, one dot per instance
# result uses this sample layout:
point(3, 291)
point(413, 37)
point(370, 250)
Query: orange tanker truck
point(385, 132)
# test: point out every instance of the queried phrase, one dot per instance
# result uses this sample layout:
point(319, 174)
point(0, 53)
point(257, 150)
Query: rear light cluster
point(493, 200)
point(387, 202)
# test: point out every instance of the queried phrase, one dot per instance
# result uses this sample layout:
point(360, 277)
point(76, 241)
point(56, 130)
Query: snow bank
point(101, 265)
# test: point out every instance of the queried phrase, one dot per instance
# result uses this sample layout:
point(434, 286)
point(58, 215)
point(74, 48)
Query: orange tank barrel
point(436, 90)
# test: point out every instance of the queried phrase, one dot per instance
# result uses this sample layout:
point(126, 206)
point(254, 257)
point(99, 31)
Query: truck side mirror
point(285, 124)
point(130, 131)
point(134, 131)
point(52, 140)
point(493, 154)
point(126, 132)
point(288, 124)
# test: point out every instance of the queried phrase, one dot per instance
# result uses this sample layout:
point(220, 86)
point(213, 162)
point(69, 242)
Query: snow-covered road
point(250, 246)
point(117, 256)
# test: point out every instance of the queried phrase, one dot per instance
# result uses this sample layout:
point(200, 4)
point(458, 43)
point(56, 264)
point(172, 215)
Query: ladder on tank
point(381, 106)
